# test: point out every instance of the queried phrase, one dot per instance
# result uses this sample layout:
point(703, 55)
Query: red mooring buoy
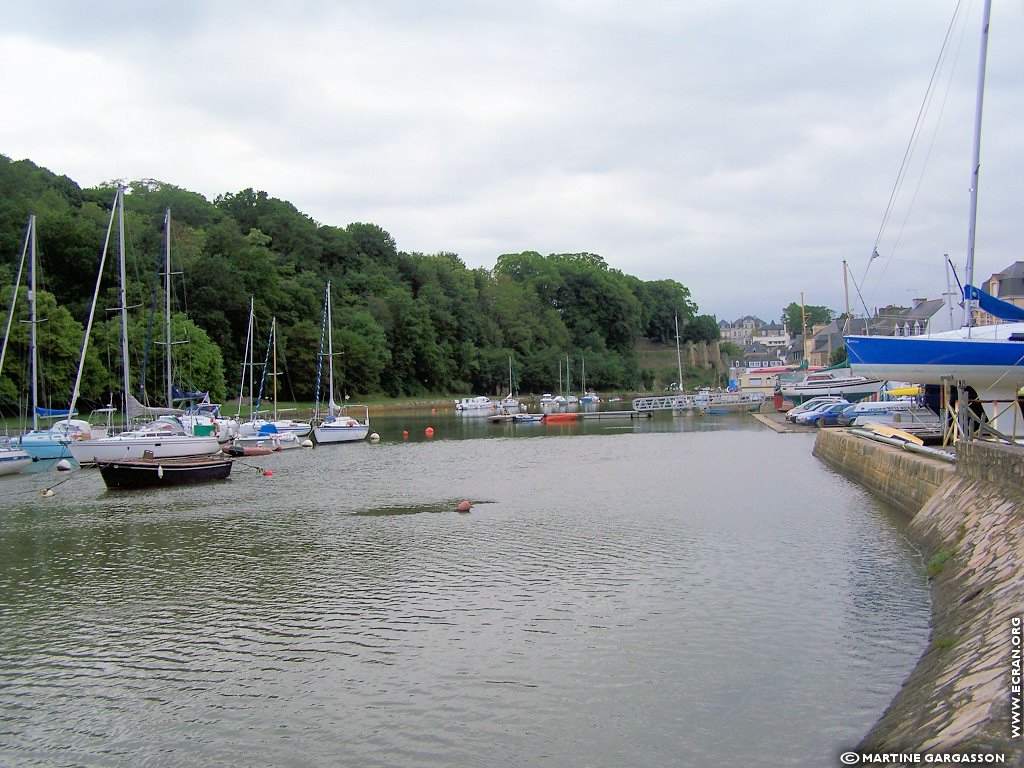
point(464, 506)
point(429, 431)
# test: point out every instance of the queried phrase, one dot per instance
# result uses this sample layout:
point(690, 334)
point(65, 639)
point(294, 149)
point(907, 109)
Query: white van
point(882, 410)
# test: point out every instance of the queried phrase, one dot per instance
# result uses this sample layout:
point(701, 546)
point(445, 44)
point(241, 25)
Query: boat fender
point(464, 506)
point(160, 471)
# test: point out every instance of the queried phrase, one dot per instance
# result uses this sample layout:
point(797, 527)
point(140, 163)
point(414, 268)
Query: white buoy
point(63, 465)
point(307, 443)
point(47, 493)
point(374, 437)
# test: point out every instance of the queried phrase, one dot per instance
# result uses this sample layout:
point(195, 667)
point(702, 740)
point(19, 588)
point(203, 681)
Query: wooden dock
point(615, 415)
point(499, 418)
point(777, 421)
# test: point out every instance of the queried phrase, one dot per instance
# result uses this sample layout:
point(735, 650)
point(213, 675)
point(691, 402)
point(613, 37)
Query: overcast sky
point(742, 147)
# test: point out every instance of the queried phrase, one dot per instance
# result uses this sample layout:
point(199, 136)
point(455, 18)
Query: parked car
point(828, 416)
point(813, 403)
point(810, 416)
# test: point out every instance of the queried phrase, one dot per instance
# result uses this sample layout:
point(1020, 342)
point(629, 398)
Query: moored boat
point(152, 473)
point(730, 402)
point(233, 449)
point(338, 425)
point(267, 437)
point(478, 405)
point(12, 459)
point(551, 418)
point(840, 383)
point(163, 438)
point(527, 418)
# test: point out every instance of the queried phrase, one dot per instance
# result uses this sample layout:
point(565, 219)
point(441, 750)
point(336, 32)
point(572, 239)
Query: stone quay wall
point(970, 530)
point(903, 480)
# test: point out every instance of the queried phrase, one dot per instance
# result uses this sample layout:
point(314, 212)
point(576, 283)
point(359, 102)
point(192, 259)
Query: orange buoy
point(429, 431)
point(464, 506)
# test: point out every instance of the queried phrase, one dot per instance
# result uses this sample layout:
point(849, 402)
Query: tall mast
point(167, 301)
point(273, 333)
point(252, 352)
point(92, 308)
point(976, 159)
point(679, 357)
point(330, 355)
point(803, 325)
point(34, 342)
point(124, 297)
point(14, 293)
point(846, 290)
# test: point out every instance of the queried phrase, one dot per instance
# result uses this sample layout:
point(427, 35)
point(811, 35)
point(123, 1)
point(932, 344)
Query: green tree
point(701, 329)
point(793, 317)
point(663, 301)
point(59, 340)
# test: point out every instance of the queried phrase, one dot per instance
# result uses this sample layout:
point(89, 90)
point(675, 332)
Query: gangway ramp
point(665, 403)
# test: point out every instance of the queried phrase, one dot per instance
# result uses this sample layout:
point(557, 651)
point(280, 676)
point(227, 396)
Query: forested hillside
point(406, 324)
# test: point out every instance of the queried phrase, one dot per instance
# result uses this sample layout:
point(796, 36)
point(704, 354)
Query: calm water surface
point(690, 591)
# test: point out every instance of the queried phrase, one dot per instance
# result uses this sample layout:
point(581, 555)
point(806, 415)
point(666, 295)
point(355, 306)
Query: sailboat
point(338, 425)
point(162, 438)
point(683, 403)
point(200, 416)
point(990, 359)
point(12, 458)
point(588, 397)
point(276, 434)
point(571, 401)
point(51, 442)
point(509, 403)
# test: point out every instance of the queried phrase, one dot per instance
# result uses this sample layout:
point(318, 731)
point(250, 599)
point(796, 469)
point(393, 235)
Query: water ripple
point(617, 598)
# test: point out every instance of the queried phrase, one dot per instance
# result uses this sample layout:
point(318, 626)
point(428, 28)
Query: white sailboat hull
point(13, 461)
point(340, 431)
point(131, 446)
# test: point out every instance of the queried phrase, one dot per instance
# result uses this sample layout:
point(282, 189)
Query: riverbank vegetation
point(406, 325)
